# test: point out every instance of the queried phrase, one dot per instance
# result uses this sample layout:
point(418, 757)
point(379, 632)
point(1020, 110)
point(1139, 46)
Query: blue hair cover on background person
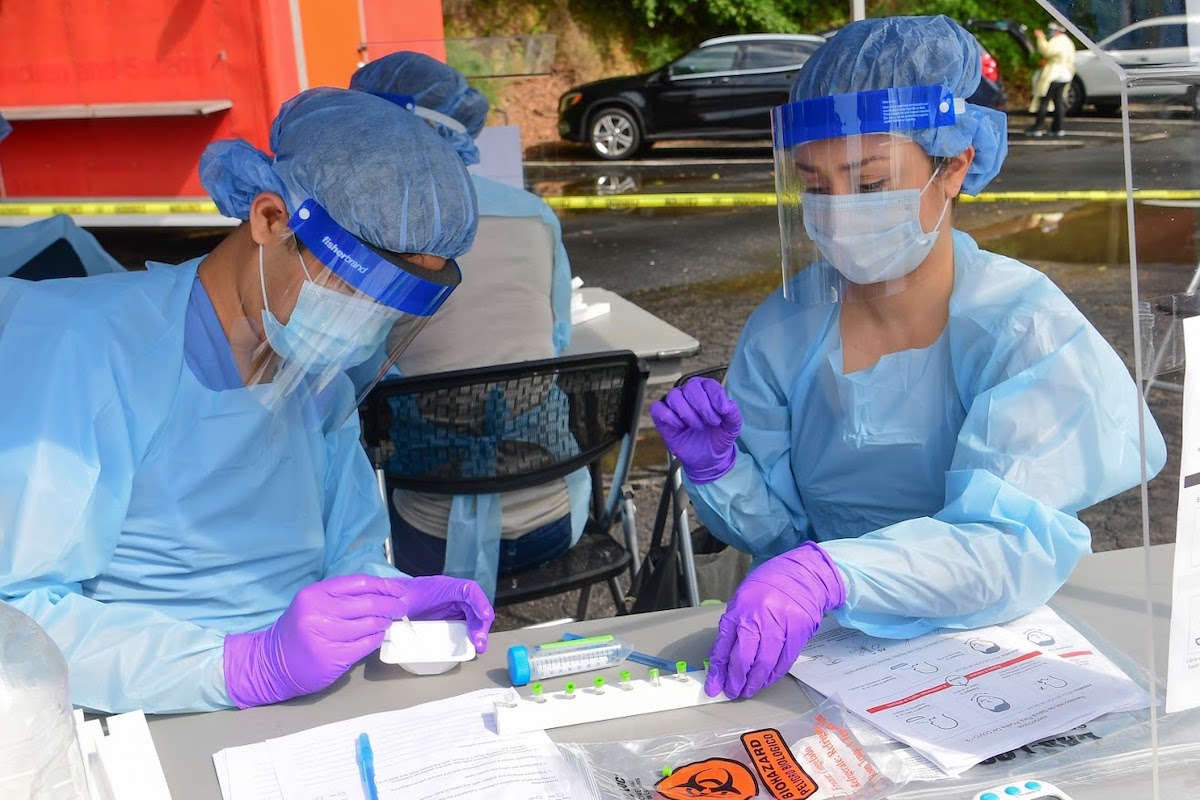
point(892, 52)
point(433, 85)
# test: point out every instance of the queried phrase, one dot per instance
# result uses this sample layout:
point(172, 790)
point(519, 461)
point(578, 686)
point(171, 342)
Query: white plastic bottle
point(565, 658)
point(39, 747)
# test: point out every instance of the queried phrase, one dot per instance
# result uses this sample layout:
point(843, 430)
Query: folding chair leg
point(585, 596)
point(629, 524)
point(683, 531)
point(618, 597)
point(387, 543)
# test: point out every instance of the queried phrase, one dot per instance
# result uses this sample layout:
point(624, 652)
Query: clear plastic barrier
point(1141, 62)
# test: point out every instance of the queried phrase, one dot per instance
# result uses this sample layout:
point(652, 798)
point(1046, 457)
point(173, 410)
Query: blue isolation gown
point(944, 482)
point(150, 503)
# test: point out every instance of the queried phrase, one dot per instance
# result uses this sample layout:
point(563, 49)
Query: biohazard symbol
point(713, 777)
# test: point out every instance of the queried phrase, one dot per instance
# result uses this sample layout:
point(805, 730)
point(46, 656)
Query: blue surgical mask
point(871, 237)
point(327, 328)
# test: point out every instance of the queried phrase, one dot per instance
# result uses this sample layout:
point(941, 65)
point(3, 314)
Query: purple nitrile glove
point(699, 423)
point(769, 619)
point(330, 625)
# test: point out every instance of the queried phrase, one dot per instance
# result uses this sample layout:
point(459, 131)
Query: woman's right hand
point(699, 423)
point(331, 625)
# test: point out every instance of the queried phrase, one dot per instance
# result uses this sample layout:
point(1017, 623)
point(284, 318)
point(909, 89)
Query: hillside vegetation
point(601, 39)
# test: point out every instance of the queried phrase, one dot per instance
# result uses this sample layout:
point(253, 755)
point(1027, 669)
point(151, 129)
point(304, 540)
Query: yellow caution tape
point(102, 208)
point(1091, 195)
point(744, 199)
point(683, 200)
point(587, 202)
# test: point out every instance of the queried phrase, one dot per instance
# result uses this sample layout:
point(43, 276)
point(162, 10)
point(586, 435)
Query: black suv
point(724, 89)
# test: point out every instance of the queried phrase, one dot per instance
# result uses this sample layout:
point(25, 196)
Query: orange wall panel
point(404, 25)
point(148, 51)
point(332, 33)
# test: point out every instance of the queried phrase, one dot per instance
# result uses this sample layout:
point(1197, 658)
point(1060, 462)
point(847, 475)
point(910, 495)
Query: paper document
point(435, 751)
point(958, 697)
point(1183, 654)
point(1048, 631)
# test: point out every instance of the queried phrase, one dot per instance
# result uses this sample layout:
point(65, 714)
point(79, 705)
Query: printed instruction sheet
point(435, 751)
point(959, 697)
point(1183, 659)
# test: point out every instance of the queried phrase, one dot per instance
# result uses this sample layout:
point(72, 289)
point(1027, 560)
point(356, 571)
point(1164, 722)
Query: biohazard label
point(714, 777)
point(781, 774)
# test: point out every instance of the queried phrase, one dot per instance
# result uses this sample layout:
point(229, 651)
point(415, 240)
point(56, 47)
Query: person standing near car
point(1057, 72)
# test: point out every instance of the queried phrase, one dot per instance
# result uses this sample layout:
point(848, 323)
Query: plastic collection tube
point(553, 659)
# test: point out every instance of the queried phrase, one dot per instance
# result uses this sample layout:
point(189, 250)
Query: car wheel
point(614, 134)
point(1073, 97)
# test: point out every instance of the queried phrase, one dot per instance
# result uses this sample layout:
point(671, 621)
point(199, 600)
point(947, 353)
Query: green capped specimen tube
point(554, 659)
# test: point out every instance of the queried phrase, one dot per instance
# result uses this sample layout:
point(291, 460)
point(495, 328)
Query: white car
point(1161, 41)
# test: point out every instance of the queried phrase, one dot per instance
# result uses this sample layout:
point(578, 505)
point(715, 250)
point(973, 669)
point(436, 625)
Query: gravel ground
point(713, 309)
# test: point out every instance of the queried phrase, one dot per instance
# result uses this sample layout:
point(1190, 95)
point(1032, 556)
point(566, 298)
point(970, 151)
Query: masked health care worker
point(910, 425)
point(513, 305)
point(186, 506)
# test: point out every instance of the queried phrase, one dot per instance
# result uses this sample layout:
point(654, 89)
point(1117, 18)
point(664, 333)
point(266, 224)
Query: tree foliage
point(656, 31)
point(665, 28)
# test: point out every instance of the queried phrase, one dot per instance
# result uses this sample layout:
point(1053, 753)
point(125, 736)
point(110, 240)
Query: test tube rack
point(524, 713)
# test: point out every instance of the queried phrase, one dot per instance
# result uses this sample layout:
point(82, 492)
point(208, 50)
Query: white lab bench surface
point(628, 326)
point(1107, 591)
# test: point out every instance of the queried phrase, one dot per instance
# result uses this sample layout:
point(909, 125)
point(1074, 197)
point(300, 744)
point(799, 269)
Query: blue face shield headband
point(892, 111)
point(846, 217)
point(364, 319)
point(381, 275)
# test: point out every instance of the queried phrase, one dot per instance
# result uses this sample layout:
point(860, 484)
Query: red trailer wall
point(88, 52)
point(136, 51)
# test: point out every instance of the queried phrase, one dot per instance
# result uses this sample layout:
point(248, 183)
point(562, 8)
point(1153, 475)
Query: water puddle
point(1097, 235)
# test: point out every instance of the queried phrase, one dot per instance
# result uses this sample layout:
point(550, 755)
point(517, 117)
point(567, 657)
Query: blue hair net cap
point(433, 85)
point(379, 171)
point(892, 52)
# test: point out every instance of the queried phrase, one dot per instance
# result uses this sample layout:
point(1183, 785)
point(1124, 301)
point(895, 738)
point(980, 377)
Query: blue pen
point(668, 667)
point(366, 767)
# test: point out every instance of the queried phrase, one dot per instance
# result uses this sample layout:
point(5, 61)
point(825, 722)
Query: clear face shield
point(358, 306)
point(858, 209)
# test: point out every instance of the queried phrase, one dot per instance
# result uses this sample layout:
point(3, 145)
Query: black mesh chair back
point(512, 426)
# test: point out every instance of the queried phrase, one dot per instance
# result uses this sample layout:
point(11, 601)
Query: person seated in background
point(185, 503)
point(910, 426)
point(513, 305)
